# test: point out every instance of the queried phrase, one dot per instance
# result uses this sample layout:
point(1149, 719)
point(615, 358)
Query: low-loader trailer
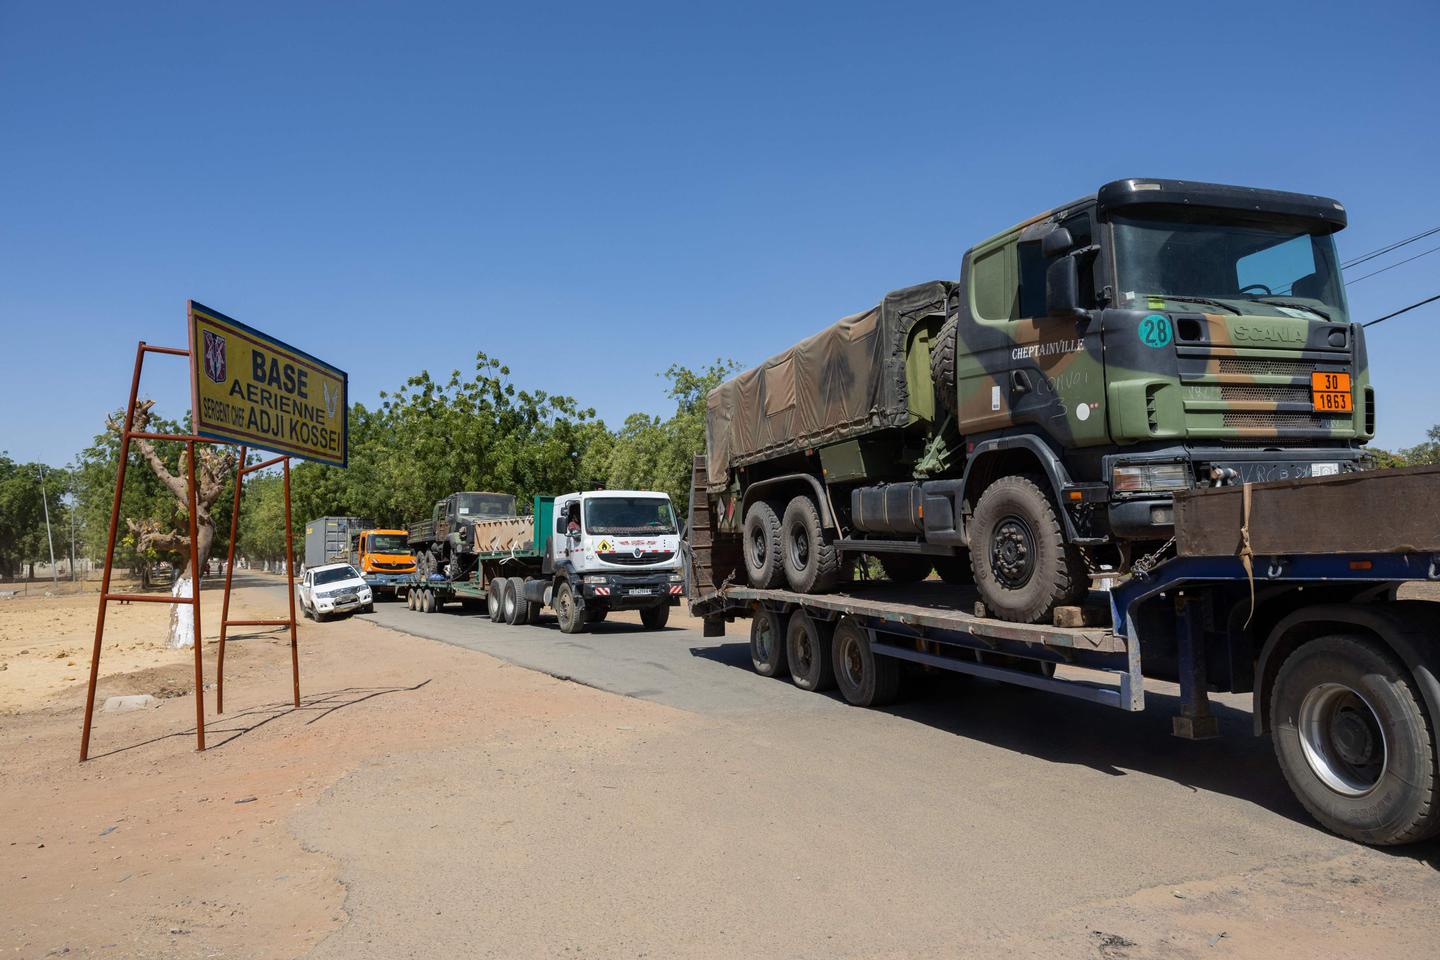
point(580, 554)
point(1284, 590)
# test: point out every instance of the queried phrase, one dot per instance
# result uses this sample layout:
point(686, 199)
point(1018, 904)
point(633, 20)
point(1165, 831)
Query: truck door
point(563, 547)
point(1018, 369)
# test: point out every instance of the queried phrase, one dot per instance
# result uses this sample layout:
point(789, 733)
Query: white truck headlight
point(596, 580)
point(1150, 478)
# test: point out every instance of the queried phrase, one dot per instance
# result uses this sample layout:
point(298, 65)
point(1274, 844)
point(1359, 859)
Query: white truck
point(581, 554)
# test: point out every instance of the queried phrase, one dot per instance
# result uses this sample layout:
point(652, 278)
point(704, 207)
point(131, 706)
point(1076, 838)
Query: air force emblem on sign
point(332, 400)
point(214, 356)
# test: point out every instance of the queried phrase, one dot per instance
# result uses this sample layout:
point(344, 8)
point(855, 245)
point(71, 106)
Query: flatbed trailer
point(1341, 672)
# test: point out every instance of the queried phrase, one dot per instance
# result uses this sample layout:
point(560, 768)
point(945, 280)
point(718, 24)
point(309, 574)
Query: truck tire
point(767, 643)
point(494, 599)
point(762, 547)
point(655, 618)
point(512, 603)
point(864, 679)
point(427, 601)
point(410, 599)
point(808, 650)
point(567, 609)
point(906, 567)
point(1354, 742)
point(1022, 565)
point(955, 570)
point(942, 366)
point(812, 565)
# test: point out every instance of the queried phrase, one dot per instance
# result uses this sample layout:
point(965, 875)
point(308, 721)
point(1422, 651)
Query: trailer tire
point(427, 601)
point(567, 610)
point(494, 599)
point(809, 651)
point(1354, 742)
point(864, 679)
point(655, 618)
point(1023, 567)
point(761, 546)
point(811, 564)
point(906, 567)
point(512, 603)
point(955, 570)
point(767, 643)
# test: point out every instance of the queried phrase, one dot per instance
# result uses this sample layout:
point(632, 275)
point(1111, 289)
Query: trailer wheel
point(808, 649)
point(906, 567)
point(864, 679)
point(762, 546)
point(1023, 567)
point(655, 618)
point(811, 564)
point(494, 599)
point(1354, 742)
point(767, 643)
point(955, 570)
point(512, 603)
point(567, 609)
point(427, 601)
point(410, 599)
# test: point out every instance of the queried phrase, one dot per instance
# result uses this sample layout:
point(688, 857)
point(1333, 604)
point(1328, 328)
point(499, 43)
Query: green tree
point(22, 514)
point(1427, 452)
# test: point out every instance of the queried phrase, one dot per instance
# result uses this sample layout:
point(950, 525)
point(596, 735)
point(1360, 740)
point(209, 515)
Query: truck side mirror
point(1057, 242)
point(1062, 288)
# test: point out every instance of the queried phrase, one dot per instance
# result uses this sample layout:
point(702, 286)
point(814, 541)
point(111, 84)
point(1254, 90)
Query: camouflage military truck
point(1031, 422)
point(449, 541)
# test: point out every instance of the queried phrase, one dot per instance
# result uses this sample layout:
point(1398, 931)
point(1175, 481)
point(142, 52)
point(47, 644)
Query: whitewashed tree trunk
point(182, 615)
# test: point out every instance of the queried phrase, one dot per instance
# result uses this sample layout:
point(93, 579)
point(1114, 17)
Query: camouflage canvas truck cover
point(1092, 361)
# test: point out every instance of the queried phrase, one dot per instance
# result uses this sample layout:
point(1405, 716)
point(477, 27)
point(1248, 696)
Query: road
point(759, 820)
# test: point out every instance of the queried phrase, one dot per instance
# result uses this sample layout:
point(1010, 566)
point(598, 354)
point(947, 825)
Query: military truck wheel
point(942, 365)
point(864, 679)
point(767, 643)
point(955, 570)
point(567, 609)
point(1354, 742)
point(812, 565)
point(655, 618)
point(495, 599)
point(762, 546)
point(906, 567)
point(511, 603)
point(1023, 567)
point(808, 650)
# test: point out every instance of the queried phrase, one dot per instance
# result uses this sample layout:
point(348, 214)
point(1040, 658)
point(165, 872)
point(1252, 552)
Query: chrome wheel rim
point(1342, 739)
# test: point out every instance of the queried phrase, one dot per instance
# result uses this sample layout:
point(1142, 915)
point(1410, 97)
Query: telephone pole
point(45, 501)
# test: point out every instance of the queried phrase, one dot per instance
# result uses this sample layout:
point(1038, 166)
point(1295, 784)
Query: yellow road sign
point(249, 388)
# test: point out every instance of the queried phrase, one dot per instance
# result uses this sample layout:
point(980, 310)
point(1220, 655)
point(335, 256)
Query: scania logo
point(1267, 334)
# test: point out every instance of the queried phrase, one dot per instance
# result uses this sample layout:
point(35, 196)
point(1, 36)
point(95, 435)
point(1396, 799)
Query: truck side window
point(1032, 279)
point(1083, 234)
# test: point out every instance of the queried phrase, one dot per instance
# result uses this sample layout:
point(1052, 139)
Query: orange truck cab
point(383, 559)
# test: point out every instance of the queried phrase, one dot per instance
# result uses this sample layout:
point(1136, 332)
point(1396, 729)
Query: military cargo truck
point(445, 543)
point(1032, 422)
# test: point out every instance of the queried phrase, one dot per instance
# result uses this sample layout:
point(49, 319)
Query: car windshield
point(485, 505)
point(629, 516)
point(335, 574)
point(389, 543)
point(1270, 269)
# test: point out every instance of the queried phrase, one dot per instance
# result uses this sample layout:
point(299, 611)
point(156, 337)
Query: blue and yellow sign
point(251, 389)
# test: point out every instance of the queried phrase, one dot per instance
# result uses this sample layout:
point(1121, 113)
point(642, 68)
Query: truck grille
point(1285, 421)
point(1288, 393)
point(630, 559)
point(1267, 367)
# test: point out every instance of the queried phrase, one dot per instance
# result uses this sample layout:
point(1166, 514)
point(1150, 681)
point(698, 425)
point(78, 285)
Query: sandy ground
point(433, 801)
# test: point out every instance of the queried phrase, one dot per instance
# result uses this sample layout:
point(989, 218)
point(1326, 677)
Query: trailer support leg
point(1195, 721)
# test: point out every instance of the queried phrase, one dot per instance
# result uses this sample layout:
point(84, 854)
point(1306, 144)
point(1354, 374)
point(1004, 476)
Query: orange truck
point(383, 559)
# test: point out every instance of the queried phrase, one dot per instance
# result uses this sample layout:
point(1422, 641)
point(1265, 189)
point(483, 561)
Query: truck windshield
point(335, 575)
point(478, 505)
point(1273, 270)
point(629, 516)
point(389, 543)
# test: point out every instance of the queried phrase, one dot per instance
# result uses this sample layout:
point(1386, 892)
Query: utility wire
point(1403, 310)
point(1387, 248)
point(1392, 266)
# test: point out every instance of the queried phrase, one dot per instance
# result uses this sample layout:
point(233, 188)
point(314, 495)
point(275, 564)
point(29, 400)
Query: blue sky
point(593, 191)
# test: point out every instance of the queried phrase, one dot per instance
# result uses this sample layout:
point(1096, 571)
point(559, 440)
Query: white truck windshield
point(629, 516)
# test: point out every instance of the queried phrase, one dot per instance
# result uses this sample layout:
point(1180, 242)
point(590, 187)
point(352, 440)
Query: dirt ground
point(432, 801)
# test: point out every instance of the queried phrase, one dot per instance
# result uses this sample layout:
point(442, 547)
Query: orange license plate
point(1330, 392)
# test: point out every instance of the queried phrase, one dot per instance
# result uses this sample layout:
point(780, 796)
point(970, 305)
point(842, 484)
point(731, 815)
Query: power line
point(1403, 310)
point(1387, 248)
point(1392, 266)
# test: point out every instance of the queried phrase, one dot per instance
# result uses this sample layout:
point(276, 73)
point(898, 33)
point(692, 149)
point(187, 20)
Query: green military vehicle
point(1030, 424)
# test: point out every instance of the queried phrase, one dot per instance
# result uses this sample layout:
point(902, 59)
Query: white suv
point(333, 589)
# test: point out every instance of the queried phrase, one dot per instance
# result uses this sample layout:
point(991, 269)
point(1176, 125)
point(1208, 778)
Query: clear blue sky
point(593, 191)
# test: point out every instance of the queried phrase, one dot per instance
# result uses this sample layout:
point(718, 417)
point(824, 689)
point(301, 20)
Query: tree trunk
point(182, 615)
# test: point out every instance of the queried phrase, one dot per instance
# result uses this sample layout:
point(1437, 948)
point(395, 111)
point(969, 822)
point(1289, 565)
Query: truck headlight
point(595, 580)
point(676, 578)
point(1150, 478)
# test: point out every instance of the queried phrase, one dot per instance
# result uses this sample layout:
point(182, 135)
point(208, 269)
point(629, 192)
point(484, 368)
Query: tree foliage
point(22, 514)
